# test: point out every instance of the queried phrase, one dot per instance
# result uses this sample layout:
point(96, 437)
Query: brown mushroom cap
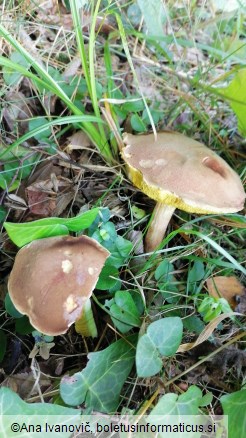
point(183, 173)
point(52, 278)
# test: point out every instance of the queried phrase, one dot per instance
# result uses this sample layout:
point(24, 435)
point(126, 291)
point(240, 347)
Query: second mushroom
point(179, 172)
point(53, 278)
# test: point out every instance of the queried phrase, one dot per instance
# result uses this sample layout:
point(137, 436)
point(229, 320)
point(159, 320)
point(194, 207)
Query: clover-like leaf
point(124, 311)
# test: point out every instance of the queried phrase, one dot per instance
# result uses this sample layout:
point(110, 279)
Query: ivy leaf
point(186, 404)
point(100, 383)
point(234, 405)
point(148, 359)
point(16, 411)
point(173, 410)
point(163, 338)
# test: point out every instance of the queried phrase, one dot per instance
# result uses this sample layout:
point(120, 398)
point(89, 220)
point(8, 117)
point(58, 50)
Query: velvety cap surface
point(182, 172)
point(52, 278)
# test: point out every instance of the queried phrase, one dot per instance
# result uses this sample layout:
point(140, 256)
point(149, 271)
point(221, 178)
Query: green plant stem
point(88, 68)
point(93, 79)
point(80, 41)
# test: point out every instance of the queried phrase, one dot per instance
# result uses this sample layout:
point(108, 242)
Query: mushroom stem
point(160, 219)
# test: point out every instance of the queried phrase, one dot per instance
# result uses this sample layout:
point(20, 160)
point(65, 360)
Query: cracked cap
point(52, 279)
point(183, 173)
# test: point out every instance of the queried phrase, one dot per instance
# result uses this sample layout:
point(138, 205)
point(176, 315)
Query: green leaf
point(102, 217)
point(105, 280)
point(21, 234)
point(5, 183)
point(156, 115)
point(86, 325)
point(11, 76)
point(12, 404)
point(13, 168)
point(81, 221)
point(35, 414)
point(37, 122)
point(166, 281)
point(234, 405)
point(124, 312)
point(211, 307)
point(133, 106)
point(23, 326)
point(10, 308)
point(186, 404)
point(197, 272)
point(124, 246)
point(3, 213)
point(148, 359)
point(138, 213)
point(163, 273)
point(3, 344)
point(100, 383)
point(162, 338)
point(154, 16)
point(118, 247)
point(236, 93)
point(173, 410)
point(206, 399)
point(137, 123)
point(194, 324)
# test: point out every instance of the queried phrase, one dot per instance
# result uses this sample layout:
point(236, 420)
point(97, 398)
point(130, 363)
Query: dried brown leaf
point(206, 333)
point(79, 140)
point(225, 287)
point(16, 202)
point(50, 197)
point(18, 111)
point(24, 383)
point(72, 68)
point(55, 14)
point(136, 237)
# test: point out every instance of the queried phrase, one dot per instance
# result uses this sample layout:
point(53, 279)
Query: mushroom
point(53, 278)
point(179, 172)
